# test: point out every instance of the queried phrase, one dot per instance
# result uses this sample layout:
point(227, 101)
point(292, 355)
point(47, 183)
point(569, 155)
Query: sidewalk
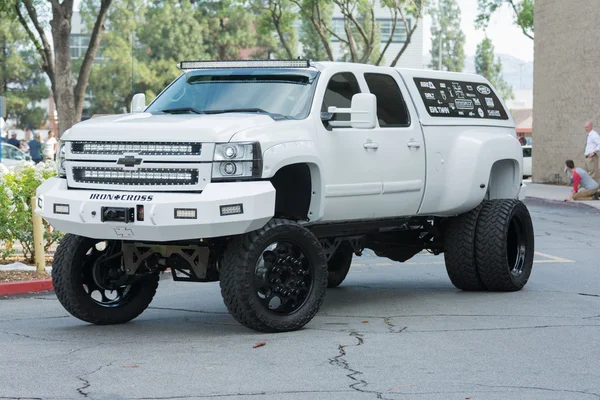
point(554, 193)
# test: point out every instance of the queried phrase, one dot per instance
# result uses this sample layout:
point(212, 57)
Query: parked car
point(527, 161)
point(12, 155)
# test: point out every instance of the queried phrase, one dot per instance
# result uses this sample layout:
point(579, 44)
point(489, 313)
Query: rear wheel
point(274, 279)
point(505, 245)
point(90, 282)
point(459, 251)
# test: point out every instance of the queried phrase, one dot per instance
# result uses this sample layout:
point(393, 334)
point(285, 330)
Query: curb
point(25, 287)
point(575, 204)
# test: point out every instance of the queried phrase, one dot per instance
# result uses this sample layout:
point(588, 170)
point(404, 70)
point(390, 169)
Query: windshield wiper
point(182, 110)
point(250, 110)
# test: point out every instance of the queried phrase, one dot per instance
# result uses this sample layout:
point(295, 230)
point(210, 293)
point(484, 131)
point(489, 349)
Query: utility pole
point(440, 51)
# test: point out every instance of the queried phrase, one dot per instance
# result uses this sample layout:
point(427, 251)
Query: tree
point(491, 69)
point(276, 19)
point(21, 77)
point(119, 73)
point(403, 9)
point(230, 28)
point(446, 32)
point(522, 9)
point(145, 41)
point(316, 13)
point(312, 45)
point(360, 33)
point(56, 60)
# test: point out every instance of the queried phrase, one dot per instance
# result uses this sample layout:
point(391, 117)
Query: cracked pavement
point(388, 332)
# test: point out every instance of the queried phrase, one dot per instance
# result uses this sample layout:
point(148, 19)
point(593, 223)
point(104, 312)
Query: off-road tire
point(459, 251)
point(237, 272)
point(68, 285)
point(496, 247)
point(339, 265)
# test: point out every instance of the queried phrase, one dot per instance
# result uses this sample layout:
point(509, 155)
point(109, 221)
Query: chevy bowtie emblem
point(129, 161)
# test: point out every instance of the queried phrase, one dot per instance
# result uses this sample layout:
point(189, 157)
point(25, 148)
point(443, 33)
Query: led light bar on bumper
point(143, 176)
point(235, 161)
point(300, 63)
point(141, 148)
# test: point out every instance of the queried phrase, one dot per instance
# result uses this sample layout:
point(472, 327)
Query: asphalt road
point(391, 331)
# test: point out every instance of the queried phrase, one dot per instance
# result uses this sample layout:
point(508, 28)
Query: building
point(412, 56)
point(566, 84)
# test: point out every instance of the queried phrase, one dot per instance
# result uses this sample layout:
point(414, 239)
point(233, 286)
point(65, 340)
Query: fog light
point(232, 209)
point(186, 213)
point(61, 209)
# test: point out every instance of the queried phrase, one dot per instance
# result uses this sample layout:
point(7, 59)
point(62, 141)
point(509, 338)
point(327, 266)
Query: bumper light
point(61, 209)
point(232, 209)
point(186, 213)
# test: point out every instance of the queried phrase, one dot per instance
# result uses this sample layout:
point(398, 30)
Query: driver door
point(353, 166)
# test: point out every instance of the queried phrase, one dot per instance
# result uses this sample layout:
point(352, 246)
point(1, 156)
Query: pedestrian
point(522, 139)
point(592, 148)
point(35, 148)
point(14, 141)
point(584, 187)
point(50, 147)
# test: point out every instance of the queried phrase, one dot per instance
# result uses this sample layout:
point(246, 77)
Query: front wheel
point(504, 245)
point(274, 279)
point(91, 284)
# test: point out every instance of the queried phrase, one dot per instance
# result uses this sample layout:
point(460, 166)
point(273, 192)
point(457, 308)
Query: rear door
point(401, 146)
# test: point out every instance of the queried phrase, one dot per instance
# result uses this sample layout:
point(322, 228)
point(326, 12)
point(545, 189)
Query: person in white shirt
point(50, 148)
point(592, 148)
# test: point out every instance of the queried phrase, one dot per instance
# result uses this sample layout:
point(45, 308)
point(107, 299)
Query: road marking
point(552, 259)
point(549, 259)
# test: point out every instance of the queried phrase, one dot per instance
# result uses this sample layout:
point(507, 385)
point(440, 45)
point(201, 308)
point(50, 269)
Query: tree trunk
point(63, 78)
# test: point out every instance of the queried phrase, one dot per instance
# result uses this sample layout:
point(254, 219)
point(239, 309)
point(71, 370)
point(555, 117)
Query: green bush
point(17, 187)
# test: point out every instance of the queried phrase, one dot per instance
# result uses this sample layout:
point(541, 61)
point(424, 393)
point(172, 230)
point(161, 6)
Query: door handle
point(413, 144)
point(369, 144)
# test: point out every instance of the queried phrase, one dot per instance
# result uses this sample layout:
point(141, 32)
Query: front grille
point(139, 177)
point(141, 148)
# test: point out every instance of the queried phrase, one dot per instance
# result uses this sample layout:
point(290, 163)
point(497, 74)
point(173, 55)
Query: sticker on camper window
point(450, 98)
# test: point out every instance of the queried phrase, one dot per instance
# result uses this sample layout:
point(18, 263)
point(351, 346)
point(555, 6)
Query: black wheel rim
point(516, 247)
point(283, 277)
point(103, 275)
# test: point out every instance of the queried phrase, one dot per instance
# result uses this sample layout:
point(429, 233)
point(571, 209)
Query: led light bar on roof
point(300, 63)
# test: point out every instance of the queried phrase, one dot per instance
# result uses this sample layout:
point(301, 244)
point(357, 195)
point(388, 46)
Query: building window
point(78, 45)
point(338, 28)
point(399, 33)
point(385, 26)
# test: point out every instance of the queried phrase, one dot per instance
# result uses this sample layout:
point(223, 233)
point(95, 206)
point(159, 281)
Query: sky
point(506, 37)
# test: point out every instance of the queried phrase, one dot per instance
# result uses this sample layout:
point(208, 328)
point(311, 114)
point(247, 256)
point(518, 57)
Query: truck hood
point(166, 127)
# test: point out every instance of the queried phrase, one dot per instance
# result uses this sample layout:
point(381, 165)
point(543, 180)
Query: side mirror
point(138, 103)
point(363, 112)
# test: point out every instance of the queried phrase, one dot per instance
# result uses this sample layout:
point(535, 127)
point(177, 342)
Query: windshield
point(283, 92)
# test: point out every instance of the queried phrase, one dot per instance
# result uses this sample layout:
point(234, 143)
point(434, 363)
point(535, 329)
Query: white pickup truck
point(268, 176)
